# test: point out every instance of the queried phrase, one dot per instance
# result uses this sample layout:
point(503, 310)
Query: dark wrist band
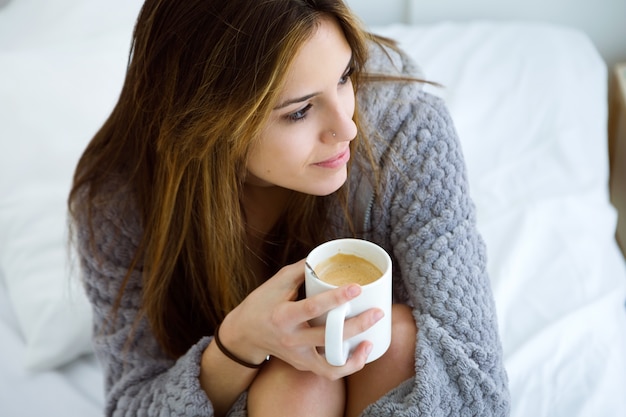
point(231, 356)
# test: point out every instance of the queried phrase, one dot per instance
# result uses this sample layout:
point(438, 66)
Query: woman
point(236, 147)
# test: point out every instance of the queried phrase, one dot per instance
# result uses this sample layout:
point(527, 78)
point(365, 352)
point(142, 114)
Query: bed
point(530, 104)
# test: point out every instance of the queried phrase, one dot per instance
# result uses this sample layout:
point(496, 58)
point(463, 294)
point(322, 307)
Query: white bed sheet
point(71, 390)
point(529, 102)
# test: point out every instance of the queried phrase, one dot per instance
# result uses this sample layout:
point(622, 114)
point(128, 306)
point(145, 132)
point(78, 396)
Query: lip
point(336, 161)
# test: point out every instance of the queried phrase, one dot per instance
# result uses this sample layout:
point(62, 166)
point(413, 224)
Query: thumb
point(292, 276)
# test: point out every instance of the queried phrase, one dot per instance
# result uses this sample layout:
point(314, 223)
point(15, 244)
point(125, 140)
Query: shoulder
point(413, 139)
point(403, 129)
point(396, 110)
point(107, 222)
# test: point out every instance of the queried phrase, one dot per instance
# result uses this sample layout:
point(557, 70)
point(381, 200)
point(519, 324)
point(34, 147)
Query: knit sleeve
point(426, 220)
point(140, 380)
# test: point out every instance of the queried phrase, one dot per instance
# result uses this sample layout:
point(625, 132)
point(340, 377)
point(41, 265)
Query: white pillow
point(59, 82)
point(52, 311)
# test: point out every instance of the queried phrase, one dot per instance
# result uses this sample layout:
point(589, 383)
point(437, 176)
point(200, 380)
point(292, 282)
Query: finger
point(357, 358)
point(317, 305)
point(293, 274)
point(314, 336)
point(288, 280)
point(305, 338)
point(361, 322)
point(355, 363)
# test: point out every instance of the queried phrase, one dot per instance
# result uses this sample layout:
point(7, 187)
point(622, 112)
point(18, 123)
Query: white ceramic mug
point(376, 294)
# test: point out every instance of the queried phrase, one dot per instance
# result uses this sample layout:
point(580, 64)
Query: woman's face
point(304, 143)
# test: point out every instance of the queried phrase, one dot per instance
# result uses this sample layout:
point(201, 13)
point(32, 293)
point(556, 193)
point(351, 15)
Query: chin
point(330, 186)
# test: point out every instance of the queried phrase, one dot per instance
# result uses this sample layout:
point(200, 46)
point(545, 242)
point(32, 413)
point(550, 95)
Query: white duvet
point(529, 102)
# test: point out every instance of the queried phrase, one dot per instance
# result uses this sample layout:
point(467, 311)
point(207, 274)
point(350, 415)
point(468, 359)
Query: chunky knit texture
point(422, 215)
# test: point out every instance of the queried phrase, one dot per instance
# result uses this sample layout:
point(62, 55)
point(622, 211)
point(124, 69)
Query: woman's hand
point(271, 321)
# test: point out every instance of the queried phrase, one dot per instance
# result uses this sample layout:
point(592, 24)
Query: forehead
point(321, 59)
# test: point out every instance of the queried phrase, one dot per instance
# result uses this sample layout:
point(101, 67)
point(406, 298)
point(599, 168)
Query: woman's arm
point(222, 379)
point(139, 377)
point(427, 221)
point(142, 380)
point(430, 223)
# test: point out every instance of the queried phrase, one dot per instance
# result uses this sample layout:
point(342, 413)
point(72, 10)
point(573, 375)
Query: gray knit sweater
point(425, 219)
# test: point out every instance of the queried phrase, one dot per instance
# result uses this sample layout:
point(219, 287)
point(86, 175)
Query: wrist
point(234, 344)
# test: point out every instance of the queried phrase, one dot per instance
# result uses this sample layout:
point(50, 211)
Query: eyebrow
point(308, 96)
point(295, 100)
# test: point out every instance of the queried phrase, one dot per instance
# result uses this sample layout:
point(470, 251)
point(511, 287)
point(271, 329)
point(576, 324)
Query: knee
point(403, 334)
point(279, 375)
point(293, 378)
point(402, 320)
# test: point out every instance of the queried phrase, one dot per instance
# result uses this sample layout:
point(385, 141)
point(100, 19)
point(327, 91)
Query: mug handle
point(336, 349)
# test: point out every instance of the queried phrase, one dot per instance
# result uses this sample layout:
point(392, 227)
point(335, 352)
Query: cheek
point(348, 100)
point(291, 157)
point(350, 103)
point(280, 151)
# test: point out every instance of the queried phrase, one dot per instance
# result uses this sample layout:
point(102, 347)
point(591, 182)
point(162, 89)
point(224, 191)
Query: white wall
point(603, 20)
point(380, 12)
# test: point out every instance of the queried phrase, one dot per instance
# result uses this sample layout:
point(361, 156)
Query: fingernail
point(354, 290)
point(368, 349)
point(379, 314)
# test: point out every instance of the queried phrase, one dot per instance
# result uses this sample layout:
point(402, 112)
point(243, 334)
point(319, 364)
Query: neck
point(263, 207)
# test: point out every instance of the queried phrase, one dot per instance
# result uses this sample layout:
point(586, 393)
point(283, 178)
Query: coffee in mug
point(342, 268)
point(336, 263)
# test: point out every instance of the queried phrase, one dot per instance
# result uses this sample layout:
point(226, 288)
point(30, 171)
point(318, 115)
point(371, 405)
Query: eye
point(299, 114)
point(346, 76)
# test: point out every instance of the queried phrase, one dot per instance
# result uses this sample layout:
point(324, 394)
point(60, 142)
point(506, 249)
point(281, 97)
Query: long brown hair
point(203, 76)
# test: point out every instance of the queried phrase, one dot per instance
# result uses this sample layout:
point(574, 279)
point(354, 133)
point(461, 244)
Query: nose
point(340, 124)
point(346, 131)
